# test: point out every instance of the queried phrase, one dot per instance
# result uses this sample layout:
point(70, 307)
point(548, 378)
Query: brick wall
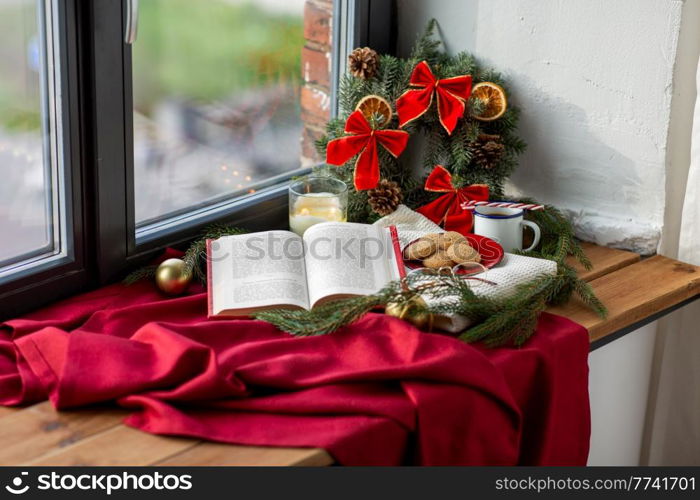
point(316, 70)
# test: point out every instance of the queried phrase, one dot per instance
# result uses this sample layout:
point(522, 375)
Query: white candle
point(314, 208)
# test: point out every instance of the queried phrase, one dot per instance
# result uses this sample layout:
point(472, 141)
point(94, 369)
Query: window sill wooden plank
point(30, 432)
point(210, 454)
point(634, 293)
point(119, 446)
point(604, 260)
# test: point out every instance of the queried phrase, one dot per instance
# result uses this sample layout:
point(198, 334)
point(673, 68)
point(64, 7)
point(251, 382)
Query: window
point(126, 126)
point(43, 226)
point(33, 212)
point(216, 101)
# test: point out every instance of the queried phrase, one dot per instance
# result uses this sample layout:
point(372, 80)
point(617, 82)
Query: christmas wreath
point(459, 110)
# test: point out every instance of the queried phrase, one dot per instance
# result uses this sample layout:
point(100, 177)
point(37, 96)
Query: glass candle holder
point(316, 199)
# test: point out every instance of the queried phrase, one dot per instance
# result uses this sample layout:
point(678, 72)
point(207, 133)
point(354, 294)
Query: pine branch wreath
point(455, 152)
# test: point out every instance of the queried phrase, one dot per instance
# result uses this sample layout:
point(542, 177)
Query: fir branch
point(325, 319)
point(588, 296)
point(350, 91)
point(142, 273)
point(558, 237)
point(515, 317)
point(194, 256)
point(462, 63)
point(426, 48)
point(459, 148)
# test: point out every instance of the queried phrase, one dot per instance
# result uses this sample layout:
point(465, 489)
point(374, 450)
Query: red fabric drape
point(378, 392)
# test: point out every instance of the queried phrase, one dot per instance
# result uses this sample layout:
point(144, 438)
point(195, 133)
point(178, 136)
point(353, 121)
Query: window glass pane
point(216, 100)
point(30, 222)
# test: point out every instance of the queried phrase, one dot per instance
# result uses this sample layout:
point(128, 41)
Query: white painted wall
point(594, 80)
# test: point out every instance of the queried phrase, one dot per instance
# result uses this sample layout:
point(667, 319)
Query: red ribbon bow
point(446, 210)
point(452, 95)
point(364, 141)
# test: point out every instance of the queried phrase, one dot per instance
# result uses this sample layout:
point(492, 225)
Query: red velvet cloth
point(378, 392)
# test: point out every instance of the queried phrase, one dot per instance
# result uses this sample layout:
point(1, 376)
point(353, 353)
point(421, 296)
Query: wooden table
point(635, 291)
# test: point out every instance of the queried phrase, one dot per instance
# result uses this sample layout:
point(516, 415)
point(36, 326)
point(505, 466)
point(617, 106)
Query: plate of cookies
point(449, 249)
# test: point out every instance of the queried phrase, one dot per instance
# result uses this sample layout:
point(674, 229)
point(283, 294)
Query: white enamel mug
point(505, 225)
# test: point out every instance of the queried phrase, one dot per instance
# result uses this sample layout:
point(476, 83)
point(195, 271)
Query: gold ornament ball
point(172, 276)
point(411, 310)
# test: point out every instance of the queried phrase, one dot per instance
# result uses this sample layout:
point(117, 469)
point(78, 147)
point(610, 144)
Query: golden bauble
point(412, 310)
point(172, 276)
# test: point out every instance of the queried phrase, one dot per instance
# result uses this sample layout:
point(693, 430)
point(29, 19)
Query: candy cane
point(471, 205)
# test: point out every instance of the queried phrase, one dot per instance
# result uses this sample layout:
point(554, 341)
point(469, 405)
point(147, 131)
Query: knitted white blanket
point(512, 271)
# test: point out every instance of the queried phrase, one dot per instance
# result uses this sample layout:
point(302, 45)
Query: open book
point(278, 269)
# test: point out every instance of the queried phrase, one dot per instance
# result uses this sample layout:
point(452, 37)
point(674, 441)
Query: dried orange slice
point(377, 110)
point(493, 98)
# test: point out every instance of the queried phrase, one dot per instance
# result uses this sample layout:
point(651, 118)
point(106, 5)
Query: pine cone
point(385, 198)
point(363, 63)
point(487, 150)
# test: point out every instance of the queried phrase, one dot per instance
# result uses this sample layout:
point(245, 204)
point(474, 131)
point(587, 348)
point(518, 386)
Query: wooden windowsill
point(634, 290)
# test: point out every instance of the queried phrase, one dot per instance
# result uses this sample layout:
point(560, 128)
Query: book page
point(251, 271)
point(347, 259)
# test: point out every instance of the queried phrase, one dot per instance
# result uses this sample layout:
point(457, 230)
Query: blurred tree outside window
point(216, 100)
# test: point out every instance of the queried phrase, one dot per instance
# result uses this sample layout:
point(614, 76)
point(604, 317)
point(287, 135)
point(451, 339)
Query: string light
point(235, 173)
